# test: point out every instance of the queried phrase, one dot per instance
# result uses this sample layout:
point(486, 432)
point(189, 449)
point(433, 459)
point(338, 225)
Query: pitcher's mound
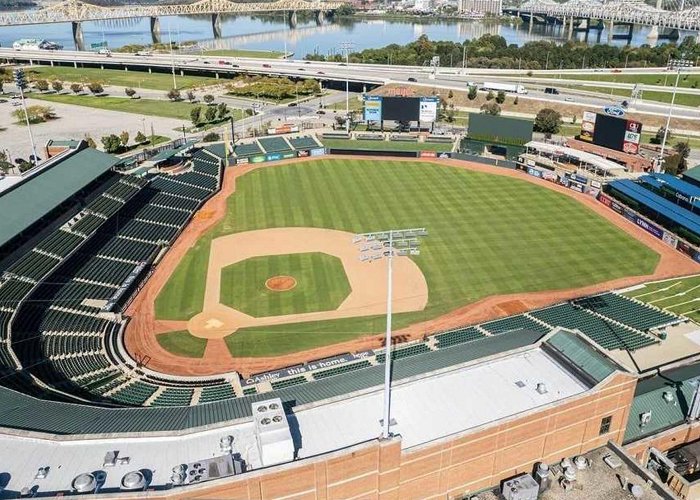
point(280, 283)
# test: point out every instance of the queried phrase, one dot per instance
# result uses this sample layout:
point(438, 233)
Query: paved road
point(446, 78)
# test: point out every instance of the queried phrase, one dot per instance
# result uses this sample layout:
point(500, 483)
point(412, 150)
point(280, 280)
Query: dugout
point(496, 135)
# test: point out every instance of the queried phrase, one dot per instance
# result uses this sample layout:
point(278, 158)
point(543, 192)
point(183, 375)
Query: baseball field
point(487, 235)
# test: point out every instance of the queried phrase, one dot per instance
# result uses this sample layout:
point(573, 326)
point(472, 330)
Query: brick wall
point(451, 466)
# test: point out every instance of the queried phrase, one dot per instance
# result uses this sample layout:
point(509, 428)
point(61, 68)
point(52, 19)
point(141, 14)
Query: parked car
point(550, 90)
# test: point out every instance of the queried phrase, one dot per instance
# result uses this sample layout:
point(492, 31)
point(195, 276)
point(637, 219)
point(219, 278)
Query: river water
point(270, 33)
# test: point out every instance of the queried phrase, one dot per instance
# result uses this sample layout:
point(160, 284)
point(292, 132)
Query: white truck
point(505, 87)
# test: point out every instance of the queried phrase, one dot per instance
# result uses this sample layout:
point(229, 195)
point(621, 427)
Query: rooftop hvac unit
point(272, 432)
point(133, 481)
point(84, 483)
point(521, 487)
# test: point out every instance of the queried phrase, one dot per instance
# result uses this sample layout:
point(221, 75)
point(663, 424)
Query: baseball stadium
point(201, 327)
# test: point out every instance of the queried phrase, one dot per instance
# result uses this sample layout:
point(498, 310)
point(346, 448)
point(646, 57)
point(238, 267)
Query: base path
point(368, 280)
point(141, 333)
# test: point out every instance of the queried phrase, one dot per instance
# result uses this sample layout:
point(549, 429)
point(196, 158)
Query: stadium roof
point(674, 183)
point(659, 204)
point(678, 384)
point(27, 201)
point(591, 159)
point(169, 153)
point(425, 409)
point(692, 174)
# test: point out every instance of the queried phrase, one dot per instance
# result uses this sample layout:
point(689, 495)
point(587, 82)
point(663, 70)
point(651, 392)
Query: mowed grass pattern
point(488, 235)
point(679, 296)
point(321, 284)
point(182, 343)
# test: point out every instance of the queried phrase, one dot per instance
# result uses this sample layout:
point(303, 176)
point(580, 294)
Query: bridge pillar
point(611, 29)
point(570, 34)
point(78, 35)
point(216, 24)
point(155, 30)
point(75, 64)
point(292, 18)
point(320, 17)
point(653, 33)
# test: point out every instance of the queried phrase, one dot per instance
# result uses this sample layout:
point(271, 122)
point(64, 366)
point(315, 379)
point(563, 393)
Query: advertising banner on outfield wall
point(534, 172)
point(317, 152)
point(257, 159)
point(273, 156)
point(427, 154)
point(241, 161)
point(649, 227)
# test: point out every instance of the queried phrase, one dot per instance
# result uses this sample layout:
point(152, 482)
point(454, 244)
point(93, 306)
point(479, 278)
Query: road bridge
point(77, 11)
point(586, 15)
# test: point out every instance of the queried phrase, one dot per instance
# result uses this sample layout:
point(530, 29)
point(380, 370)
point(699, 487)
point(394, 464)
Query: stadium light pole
point(346, 46)
point(678, 65)
point(375, 246)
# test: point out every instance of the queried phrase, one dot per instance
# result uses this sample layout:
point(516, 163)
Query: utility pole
point(346, 46)
point(172, 58)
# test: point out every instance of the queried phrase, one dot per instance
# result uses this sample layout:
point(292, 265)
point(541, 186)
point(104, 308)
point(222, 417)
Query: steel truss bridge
point(76, 11)
point(627, 12)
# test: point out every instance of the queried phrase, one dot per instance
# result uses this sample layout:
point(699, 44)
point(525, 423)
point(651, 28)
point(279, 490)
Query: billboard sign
point(614, 110)
point(373, 108)
point(427, 112)
point(587, 126)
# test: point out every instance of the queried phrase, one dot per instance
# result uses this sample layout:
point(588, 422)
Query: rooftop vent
point(541, 388)
point(133, 481)
point(668, 397)
point(272, 432)
point(42, 472)
point(84, 483)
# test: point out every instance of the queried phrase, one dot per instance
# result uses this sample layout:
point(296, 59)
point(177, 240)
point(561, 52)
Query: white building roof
point(582, 156)
point(425, 409)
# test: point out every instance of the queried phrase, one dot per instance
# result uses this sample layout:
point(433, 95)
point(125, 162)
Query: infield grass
point(488, 235)
point(678, 295)
point(321, 284)
point(182, 343)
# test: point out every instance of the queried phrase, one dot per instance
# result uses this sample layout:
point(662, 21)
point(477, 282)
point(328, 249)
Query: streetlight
point(346, 46)
point(21, 83)
point(678, 65)
point(375, 246)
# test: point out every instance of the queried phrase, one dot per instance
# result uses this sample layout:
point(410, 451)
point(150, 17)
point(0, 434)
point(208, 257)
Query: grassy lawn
point(135, 79)
point(182, 343)
point(260, 54)
point(488, 235)
point(151, 107)
point(321, 284)
point(647, 95)
point(679, 296)
point(385, 145)
point(664, 79)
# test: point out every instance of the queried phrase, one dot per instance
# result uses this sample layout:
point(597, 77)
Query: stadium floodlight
point(678, 65)
point(376, 246)
point(21, 84)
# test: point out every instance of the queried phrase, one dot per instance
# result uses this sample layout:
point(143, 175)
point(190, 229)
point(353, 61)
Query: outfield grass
point(386, 145)
point(182, 343)
point(488, 235)
point(321, 284)
point(135, 79)
point(151, 107)
point(260, 54)
point(679, 296)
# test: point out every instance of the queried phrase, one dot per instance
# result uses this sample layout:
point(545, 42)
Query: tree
point(249, 112)
point(682, 149)
point(450, 94)
point(210, 114)
point(340, 120)
point(57, 85)
point(491, 108)
point(173, 95)
point(130, 93)
point(211, 137)
point(490, 95)
point(90, 142)
point(41, 85)
point(659, 137)
point(35, 113)
point(140, 138)
point(95, 87)
point(77, 88)
point(672, 163)
point(190, 96)
point(471, 95)
point(222, 110)
point(5, 165)
point(196, 115)
point(111, 143)
point(515, 101)
point(208, 98)
point(124, 138)
point(547, 121)
point(501, 97)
